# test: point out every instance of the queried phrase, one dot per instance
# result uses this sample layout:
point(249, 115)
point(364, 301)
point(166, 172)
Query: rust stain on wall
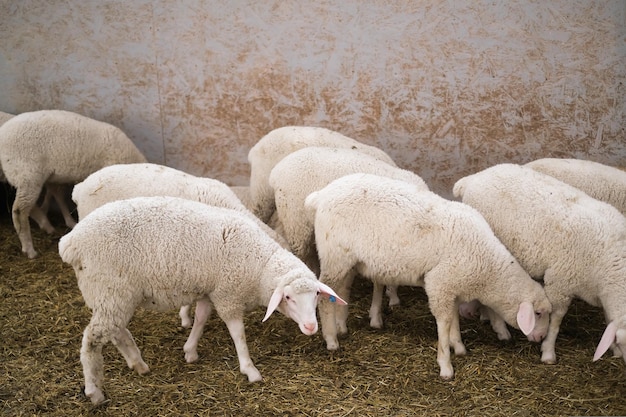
point(446, 88)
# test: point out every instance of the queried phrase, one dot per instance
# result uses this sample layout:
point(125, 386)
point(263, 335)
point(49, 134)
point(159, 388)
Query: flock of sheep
point(320, 210)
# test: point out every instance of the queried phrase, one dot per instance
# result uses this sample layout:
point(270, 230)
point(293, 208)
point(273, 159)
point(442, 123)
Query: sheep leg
point(333, 316)
point(39, 216)
point(548, 352)
point(376, 317)
point(455, 334)
point(57, 191)
point(329, 324)
point(185, 317)
point(203, 312)
point(444, 327)
point(25, 200)
point(497, 323)
point(392, 293)
point(92, 361)
point(341, 311)
point(124, 342)
point(237, 332)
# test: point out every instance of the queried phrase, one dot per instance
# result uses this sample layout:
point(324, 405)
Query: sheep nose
point(310, 327)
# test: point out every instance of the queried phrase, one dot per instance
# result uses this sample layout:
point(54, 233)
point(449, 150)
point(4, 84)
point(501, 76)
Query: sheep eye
point(287, 298)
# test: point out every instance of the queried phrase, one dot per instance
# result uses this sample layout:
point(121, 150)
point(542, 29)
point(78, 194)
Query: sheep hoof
point(96, 396)
point(446, 375)
point(504, 336)
point(253, 375)
point(191, 357)
point(376, 324)
point(548, 358)
point(141, 368)
point(332, 344)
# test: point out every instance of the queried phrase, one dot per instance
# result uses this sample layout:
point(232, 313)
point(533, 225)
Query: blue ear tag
point(332, 298)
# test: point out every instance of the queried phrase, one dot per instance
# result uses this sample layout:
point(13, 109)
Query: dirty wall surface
point(446, 88)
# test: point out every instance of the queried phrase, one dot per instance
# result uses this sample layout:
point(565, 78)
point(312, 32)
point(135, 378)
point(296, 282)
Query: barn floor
point(389, 372)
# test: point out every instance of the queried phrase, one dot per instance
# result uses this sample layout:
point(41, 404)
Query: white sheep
point(558, 232)
point(55, 147)
point(600, 181)
point(278, 143)
point(52, 191)
point(396, 234)
point(122, 181)
point(164, 252)
point(310, 169)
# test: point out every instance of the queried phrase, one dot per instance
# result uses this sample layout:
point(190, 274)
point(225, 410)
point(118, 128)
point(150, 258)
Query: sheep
point(164, 252)
point(51, 192)
point(395, 233)
point(558, 232)
point(55, 147)
point(600, 181)
point(310, 169)
point(280, 142)
point(122, 181)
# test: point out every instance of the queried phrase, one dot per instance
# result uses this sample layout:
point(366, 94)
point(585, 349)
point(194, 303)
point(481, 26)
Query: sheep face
point(298, 301)
point(541, 321)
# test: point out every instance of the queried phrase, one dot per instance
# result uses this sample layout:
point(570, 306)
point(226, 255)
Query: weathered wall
point(445, 87)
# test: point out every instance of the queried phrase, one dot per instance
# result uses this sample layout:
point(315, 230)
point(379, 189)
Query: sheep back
point(312, 168)
point(163, 252)
point(548, 224)
point(278, 143)
point(61, 146)
point(600, 181)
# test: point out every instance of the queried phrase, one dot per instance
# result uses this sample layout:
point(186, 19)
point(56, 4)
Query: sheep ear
point(526, 317)
point(607, 339)
point(332, 295)
point(277, 297)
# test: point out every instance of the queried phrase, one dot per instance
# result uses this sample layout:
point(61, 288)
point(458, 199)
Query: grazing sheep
point(278, 143)
point(558, 232)
point(55, 192)
point(122, 181)
point(164, 252)
point(603, 182)
point(396, 234)
point(55, 147)
point(310, 169)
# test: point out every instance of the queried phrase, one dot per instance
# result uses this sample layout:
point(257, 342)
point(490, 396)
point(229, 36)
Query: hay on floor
point(392, 371)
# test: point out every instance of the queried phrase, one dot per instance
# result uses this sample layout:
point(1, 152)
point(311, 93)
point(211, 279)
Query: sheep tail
point(68, 251)
point(459, 188)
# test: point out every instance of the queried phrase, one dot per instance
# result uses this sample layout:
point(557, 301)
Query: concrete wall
point(445, 87)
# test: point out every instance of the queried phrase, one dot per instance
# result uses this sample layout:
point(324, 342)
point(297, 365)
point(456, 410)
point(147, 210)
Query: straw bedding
point(392, 371)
